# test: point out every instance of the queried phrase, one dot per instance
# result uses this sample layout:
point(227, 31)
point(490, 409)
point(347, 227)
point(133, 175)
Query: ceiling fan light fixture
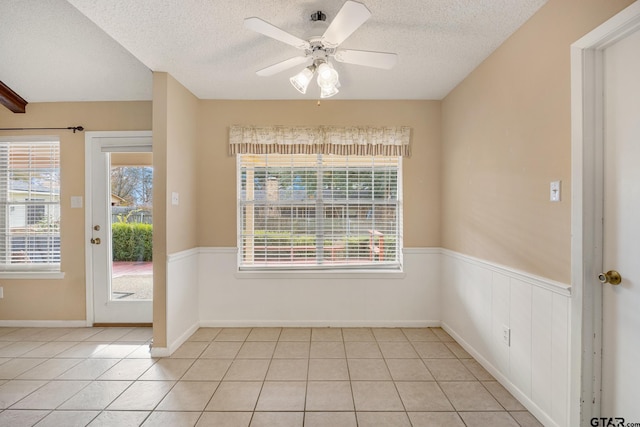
point(327, 76)
point(328, 91)
point(322, 49)
point(301, 80)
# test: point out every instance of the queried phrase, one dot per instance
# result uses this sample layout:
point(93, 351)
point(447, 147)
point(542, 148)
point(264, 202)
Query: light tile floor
point(337, 377)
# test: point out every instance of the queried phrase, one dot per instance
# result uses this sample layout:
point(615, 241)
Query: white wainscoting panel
point(560, 358)
point(480, 299)
point(500, 315)
point(474, 300)
point(541, 330)
point(229, 298)
point(182, 297)
point(520, 348)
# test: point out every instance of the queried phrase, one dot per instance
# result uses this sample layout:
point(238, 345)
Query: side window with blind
point(29, 206)
point(316, 211)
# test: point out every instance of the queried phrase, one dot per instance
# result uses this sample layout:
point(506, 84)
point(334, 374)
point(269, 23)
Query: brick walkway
point(124, 268)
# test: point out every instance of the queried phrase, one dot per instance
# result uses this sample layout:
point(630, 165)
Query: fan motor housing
point(318, 16)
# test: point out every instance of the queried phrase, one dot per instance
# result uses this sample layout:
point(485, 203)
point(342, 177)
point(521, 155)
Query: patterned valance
point(339, 140)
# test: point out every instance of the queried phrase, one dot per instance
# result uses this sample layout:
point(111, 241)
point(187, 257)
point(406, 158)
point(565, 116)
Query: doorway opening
point(119, 221)
point(131, 182)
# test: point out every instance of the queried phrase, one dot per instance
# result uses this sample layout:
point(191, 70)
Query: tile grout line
point(306, 387)
point(379, 340)
point(219, 382)
point(393, 381)
point(353, 398)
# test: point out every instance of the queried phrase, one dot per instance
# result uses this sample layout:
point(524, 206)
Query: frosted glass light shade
point(328, 91)
point(301, 80)
point(327, 76)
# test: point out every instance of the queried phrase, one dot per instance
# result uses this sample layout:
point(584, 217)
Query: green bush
point(132, 241)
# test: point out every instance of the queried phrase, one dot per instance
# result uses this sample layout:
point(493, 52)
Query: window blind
point(317, 211)
point(30, 206)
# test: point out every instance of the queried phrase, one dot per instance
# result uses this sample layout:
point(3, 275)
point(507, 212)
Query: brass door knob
point(95, 241)
point(612, 277)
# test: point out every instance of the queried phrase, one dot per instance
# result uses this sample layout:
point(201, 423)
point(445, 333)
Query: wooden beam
point(11, 100)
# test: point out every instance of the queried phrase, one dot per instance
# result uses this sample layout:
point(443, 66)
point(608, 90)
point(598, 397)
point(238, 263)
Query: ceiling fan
point(319, 50)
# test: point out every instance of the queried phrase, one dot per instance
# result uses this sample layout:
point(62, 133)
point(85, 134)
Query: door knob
point(612, 277)
point(95, 241)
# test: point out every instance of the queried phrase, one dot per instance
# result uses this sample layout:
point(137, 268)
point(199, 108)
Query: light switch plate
point(175, 198)
point(506, 336)
point(76, 202)
point(554, 191)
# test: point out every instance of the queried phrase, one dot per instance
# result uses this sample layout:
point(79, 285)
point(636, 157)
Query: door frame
point(88, 206)
point(587, 178)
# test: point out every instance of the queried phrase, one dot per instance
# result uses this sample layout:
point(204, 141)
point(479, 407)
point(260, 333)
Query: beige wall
point(65, 299)
point(175, 112)
point(506, 136)
point(217, 170)
point(160, 108)
point(182, 154)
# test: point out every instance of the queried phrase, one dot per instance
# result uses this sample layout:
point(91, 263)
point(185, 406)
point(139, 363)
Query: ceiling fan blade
point(281, 66)
point(382, 60)
point(349, 18)
point(270, 30)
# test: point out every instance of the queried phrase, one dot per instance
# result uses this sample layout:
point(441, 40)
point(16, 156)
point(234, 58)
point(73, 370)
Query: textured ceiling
point(105, 49)
point(49, 51)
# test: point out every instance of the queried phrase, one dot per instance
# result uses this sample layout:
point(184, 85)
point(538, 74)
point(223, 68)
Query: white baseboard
point(524, 399)
point(160, 352)
point(318, 324)
point(43, 323)
point(173, 346)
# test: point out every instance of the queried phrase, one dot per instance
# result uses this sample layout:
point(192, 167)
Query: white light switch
point(175, 198)
point(554, 191)
point(506, 336)
point(1, 292)
point(76, 202)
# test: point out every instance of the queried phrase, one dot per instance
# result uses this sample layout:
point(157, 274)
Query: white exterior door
point(621, 249)
point(106, 303)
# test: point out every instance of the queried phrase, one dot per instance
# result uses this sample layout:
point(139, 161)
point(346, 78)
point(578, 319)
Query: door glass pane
point(131, 226)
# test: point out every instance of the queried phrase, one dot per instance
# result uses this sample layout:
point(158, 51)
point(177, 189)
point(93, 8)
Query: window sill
point(41, 275)
point(320, 274)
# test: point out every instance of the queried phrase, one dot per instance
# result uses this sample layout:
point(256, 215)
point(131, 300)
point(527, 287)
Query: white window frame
point(33, 271)
point(395, 269)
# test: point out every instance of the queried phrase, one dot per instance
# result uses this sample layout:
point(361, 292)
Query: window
point(29, 205)
point(317, 211)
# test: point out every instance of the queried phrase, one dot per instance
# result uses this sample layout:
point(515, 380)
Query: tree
point(144, 190)
point(133, 184)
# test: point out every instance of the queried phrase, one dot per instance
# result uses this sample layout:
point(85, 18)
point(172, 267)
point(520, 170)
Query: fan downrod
point(318, 16)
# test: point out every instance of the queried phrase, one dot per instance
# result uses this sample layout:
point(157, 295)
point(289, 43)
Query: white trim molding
point(116, 138)
point(177, 256)
point(175, 344)
point(586, 209)
point(29, 275)
point(320, 324)
point(551, 285)
point(43, 323)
